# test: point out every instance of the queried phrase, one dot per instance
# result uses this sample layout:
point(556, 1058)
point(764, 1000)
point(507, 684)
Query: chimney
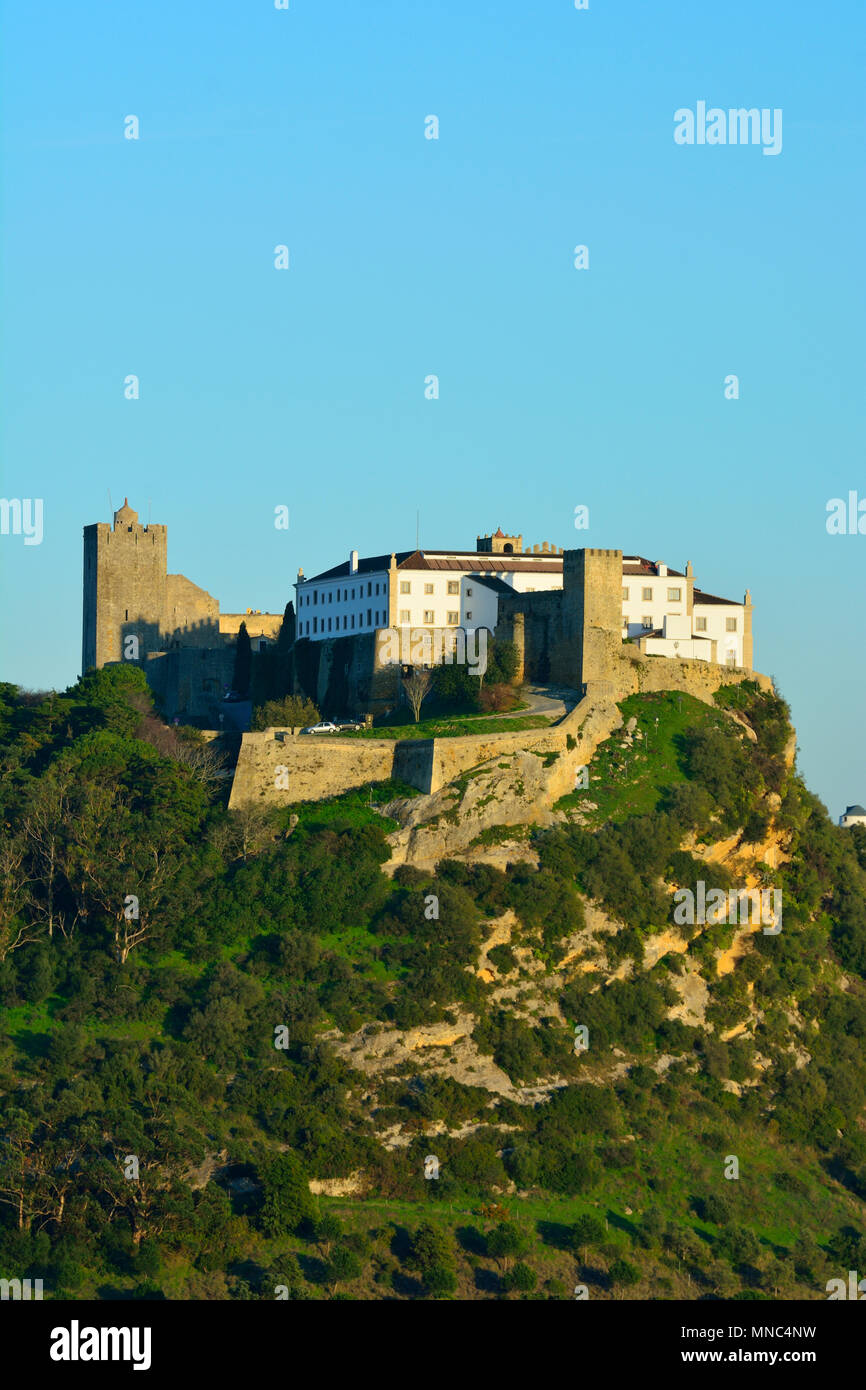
point(545, 548)
point(662, 570)
point(353, 562)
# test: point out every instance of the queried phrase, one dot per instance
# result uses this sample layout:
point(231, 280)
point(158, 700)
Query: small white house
point(854, 815)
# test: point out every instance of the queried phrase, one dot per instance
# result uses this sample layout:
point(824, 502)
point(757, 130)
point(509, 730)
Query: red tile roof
point(701, 597)
point(641, 566)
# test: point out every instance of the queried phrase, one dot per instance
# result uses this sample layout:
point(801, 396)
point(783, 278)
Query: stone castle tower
point(129, 594)
point(592, 611)
point(573, 634)
point(135, 611)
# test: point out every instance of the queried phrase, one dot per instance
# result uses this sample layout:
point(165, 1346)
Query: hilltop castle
point(576, 617)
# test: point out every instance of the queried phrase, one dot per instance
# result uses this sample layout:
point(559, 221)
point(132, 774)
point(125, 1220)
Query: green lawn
point(452, 726)
point(629, 781)
point(353, 808)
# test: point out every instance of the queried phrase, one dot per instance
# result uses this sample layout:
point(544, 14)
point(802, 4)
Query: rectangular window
point(730, 624)
point(428, 589)
point(454, 586)
point(405, 615)
point(329, 624)
point(331, 596)
point(731, 658)
point(468, 616)
point(369, 588)
point(469, 593)
point(315, 624)
point(369, 617)
point(353, 620)
point(646, 620)
point(429, 616)
point(453, 619)
point(315, 596)
point(345, 622)
point(646, 594)
point(405, 586)
point(624, 594)
point(700, 624)
point(674, 595)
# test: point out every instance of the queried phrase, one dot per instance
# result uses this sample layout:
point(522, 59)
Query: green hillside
point(205, 1011)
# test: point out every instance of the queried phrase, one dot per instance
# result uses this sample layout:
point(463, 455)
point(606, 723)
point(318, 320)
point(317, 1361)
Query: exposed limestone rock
point(382, 1052)
point(338, 1187)
point(692, 989)
point(519, 789)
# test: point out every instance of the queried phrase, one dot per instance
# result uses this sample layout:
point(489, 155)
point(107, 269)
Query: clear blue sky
point(454, 257)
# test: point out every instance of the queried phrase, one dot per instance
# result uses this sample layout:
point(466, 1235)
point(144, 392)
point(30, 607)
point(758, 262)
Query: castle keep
point(134, 610)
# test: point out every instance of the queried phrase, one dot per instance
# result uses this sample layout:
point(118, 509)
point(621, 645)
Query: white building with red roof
point(662, 610)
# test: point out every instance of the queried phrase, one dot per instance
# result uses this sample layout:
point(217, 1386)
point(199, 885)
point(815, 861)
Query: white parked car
point(324, 727)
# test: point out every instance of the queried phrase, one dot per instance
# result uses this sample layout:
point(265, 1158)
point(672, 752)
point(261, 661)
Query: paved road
point(553, 700)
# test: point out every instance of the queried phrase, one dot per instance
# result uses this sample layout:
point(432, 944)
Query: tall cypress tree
point(243, 662)
point(284, 672)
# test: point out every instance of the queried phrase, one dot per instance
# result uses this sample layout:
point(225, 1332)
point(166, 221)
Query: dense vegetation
point(175, 981)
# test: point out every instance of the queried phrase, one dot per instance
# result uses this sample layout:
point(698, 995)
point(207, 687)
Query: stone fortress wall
point(277, 767)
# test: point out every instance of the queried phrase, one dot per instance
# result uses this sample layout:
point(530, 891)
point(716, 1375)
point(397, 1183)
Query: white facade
point(647, 599)
point(336, 607)
point(431, 598)
point(440, 592)
point(724, 624)
point(655, 608)
point(441, 589)
point(854, 815)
